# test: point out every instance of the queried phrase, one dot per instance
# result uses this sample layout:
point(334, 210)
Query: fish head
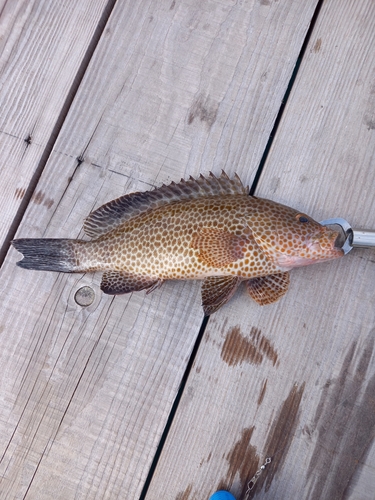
point(293, 239)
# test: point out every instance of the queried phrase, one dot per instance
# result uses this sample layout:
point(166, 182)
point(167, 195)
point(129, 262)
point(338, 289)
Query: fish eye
point(302, 218)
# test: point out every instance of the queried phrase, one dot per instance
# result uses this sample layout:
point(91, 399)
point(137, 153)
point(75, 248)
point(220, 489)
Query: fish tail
point(46, 254)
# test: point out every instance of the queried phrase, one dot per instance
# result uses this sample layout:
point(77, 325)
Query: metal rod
point(362, 238)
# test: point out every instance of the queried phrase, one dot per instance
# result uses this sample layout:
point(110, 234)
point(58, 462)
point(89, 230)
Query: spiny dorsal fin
point(114, 213)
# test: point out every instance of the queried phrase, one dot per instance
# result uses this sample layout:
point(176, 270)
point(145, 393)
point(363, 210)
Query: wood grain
point(295, 380)
point(173, 89)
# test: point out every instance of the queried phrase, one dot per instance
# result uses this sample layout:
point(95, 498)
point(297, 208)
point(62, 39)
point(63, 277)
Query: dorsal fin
point(114, 213)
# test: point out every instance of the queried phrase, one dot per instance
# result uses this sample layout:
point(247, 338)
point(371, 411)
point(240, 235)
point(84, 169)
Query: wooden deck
point(107, 97)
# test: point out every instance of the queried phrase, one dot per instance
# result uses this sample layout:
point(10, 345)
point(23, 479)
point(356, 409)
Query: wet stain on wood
point(369, 117)
point(252, 349)
point(281, 435)
point(317, 45)
point(345, 424)
point(205, 109)
point(262, 393)
point(19, 193)
point(39, 197)
point(243, 461)
point(184, 495)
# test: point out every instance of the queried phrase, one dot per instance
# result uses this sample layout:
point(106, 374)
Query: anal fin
point(216, 291)
point(268, 289)
point(118, 282)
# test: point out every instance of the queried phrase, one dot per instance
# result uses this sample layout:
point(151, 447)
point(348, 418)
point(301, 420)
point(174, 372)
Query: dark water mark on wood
point(369, 116)
point(281, 435)
point(39, 197)
point(345, 423)
point(205, 109)
point(185, 495)
point(242, 460)
point(253, 349)
point(317, 45)
point(262, 393)
point(20, 193)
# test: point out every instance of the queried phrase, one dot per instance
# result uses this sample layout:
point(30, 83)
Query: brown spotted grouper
point(207, 228)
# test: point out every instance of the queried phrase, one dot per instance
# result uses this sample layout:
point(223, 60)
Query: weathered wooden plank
point(295, 380)
point(172, 89)
point(42, 47)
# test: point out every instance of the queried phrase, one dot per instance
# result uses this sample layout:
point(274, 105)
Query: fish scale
point(207, 228)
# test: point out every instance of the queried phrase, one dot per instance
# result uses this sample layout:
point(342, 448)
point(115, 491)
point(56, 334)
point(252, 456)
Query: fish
point(207, 228)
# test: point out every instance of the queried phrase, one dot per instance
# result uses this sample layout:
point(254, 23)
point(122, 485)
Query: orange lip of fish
point(327, 244)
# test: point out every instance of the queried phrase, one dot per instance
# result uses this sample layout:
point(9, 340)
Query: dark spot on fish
point(345, 423)
point(184, 495)
point(205, 109)
point(280, 435)
point(317, 45)
point(237, 348)
point(80, 160)
point(243, 460)
point(20, 193)
point(173, 4)
point(28, 140)
point(265, 2)
point(262, 393)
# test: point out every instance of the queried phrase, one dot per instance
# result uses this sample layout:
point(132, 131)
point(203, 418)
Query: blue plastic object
point(222, 495)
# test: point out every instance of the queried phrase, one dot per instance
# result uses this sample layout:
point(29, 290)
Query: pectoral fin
point(117, 282)
point(268, 289)
point(218, 248)
point(216, 291)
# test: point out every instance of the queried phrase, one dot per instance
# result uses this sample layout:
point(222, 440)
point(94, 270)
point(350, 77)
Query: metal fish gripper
point(350, 238)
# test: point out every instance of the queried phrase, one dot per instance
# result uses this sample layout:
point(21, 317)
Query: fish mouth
point(328, 245)
point(338, 235)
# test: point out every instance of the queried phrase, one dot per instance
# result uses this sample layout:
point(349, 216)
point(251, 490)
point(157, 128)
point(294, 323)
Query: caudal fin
point(48, 254)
